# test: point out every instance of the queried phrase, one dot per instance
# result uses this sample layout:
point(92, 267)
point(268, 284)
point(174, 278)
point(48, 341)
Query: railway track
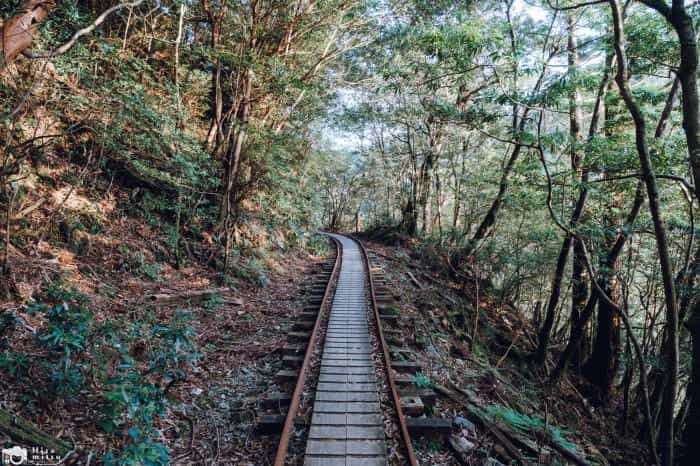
point(345, 365)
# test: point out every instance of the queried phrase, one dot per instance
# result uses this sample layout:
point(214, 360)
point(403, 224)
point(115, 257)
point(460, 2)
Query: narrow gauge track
point(347, 425)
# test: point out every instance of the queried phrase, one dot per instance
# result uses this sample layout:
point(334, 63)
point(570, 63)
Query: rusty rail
point(387, 361)
point(283, 445)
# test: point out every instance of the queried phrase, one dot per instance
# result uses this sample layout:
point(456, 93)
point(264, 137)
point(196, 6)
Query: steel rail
point(387, 361)
point(283, 445)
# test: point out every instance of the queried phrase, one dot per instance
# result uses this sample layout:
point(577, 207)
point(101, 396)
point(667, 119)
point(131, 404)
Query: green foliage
point(86, 221)
point(135, 262)
point(65, 336)
point(8, 322)
point(151, 271)
point(436, 446)
point(213, 302)
point(16, 364)
point(134, 392)
point(422, 380)
point(250, 270)
point(527, 423)
point(650, 41)
point(318, 245)
point(133, 399)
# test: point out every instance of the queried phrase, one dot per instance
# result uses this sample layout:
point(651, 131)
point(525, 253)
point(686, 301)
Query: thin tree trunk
point(546, 329)
point(602, 365)
point(228, 203)
point(216, 130)
point(649, 178)
point(579, 295)
point(678, 16)
point(426, 171)
point(577, 332)
point(691, 433)
point(487, 224)
point(579, 283)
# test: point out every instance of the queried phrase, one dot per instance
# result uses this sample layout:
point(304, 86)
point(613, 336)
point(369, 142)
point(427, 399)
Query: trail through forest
point(524, 175)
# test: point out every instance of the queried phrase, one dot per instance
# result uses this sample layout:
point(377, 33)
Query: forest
point(525, 172)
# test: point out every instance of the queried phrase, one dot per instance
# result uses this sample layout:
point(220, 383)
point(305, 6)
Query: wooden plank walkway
point(347, 426)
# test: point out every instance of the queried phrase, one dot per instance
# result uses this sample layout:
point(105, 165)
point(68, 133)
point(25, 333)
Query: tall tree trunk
point(233, 156)
point(438, 205)
point(546, 329)
point(691, 433)
point(424, 190)
point(579, 295)
point(649, 177)
point(216, 130)
point(426, 171)
point(487, 224)
point(602, 365)
point(577, 332)
point(682, 22)
point(579, 283)
point(678, 16)
point(409, 210)
point(409, 218)
point(457, 205)
point(458, 177)
point(517, 127)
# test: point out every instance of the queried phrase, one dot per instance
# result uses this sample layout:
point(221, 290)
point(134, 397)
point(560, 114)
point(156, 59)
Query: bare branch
point(687, 184)
point(575, 6)
point(84, 31)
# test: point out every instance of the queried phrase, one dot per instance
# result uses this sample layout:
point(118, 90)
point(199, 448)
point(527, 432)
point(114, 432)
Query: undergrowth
point(525, 423)
point(133, 363)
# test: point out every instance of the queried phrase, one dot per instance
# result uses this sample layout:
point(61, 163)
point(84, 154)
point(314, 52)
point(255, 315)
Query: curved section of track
point(347, 425)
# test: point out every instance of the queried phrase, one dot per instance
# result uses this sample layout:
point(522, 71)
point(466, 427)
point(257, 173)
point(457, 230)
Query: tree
point(650, 181)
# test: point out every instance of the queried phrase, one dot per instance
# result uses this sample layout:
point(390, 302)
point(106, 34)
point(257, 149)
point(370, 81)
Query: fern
point(525, 423)
point(422, 380)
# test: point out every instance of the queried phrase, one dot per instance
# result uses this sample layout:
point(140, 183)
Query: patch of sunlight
point(73, 201)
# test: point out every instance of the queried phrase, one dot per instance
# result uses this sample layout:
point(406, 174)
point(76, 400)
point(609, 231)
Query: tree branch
point(687, 184)
point(659, 5)
point(575, 6)
point(84, 31)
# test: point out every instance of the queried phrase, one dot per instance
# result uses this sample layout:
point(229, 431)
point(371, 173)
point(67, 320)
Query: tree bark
point(546, 329)
point(678, 16)
point(649, 178)
point(577, 331)
point(233, 157)
point(602, 365)
point(487, 224)
point(579, 288)
point(691, 433)
point(215, 135)
point(409, 210)
point(433, 127)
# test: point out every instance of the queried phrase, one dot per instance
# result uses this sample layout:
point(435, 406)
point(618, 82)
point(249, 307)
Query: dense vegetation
point(550, 147)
